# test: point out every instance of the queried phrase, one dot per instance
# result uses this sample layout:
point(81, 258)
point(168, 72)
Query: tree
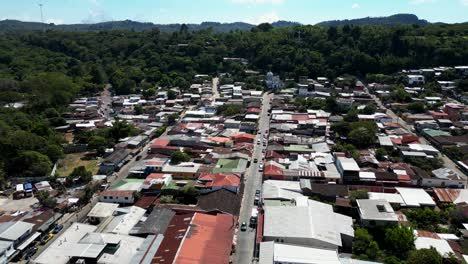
point(351, 116)
point(81, 172)
point(171, 95)
point(167, 199)
point(424, 256)
point(417, 107)
point(426, 219)
point(33, 164)
point(45, 200)
point(148, 93)
point(179, 156)
point(362, 137)
point(172, 118)
point(138, 110)
point(380, 154)
point(97, 143)
point(399, 240)
point(369, 109)
point(364, 246)
point(121, 129)
point(358, 194)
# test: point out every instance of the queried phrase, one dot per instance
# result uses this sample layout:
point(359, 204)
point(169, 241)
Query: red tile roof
point(220, 179)
point(272, 170)
point(243, 135)
point(146, 202)
point(446, 195)
point(253, 110)
point(173, 237)
point(300, 117)
point(410, 138)
point(158, 143)
point(209, 240)
point(116, 193)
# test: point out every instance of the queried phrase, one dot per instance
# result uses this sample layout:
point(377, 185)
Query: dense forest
point(46, 70)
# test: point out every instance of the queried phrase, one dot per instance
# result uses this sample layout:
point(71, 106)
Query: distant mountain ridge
point(16, 25)
point(398, 19)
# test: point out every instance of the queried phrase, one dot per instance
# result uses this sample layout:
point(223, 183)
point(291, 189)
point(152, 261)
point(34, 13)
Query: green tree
point(148, 93)
point(364, 246)
point(81, 172)
point(417, 107)
point(33, 163)
point(45, 200)
point(426, 219)
point(138, 110)
point(362, 137)
point(358, 194)
point(380, 154)
point(179, 156)
point(97, 143)
point(171, 95)
point(424, 256)
point(399, 240)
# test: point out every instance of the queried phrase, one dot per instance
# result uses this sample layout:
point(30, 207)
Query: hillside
point(15, 25)
point(398, 19)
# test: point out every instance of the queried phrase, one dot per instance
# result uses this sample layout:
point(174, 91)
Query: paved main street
point(246, 239)
point(447, 161)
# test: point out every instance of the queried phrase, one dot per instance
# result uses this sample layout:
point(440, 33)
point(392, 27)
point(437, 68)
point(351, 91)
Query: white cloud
point(56, 21)
point(420, 2)
point(464, 2)
point(355, 6)
point(257, 1)
point(264, 18)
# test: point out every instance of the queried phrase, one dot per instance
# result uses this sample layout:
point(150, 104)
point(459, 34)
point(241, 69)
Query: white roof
point(393, 198)
point(379, 210)
point(348, 164)
point(385, 141)
point(422, 147)
point(415, 197)
point(442, 246)
point(79, 240)
point(284, 190)
point(122, 224)
point(14, 230)
point(448, 236)
point(271, 252)
point(102, 210)
point(317, 221)
point(367, 175)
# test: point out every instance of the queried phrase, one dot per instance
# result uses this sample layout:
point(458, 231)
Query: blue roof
point(28, 186)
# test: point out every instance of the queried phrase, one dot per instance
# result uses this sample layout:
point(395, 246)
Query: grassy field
point(71, 161)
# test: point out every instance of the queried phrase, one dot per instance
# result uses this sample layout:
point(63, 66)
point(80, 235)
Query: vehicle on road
point(258, 141)
point(253, 218)
point(57, 228)
point(257, 192)
point(29, 252)
point(47, 238)
point(138, 158)
point(257, 200)
point(243, 226)
point(255, 160)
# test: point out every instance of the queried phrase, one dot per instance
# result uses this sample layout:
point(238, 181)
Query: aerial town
point(234, 132)
point(297, 172)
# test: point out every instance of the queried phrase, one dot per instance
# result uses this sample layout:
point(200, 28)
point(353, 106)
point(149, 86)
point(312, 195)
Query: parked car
point(243, 226)
point(29, 252)
point(257, 192)
point(47, 238)
point(138, 158)
point(255, 160)
point(57, 229)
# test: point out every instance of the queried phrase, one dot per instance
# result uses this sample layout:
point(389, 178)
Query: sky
point(250, 11)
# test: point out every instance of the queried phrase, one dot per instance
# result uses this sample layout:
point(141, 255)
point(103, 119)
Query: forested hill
point(398, 19)
point(15, 25)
